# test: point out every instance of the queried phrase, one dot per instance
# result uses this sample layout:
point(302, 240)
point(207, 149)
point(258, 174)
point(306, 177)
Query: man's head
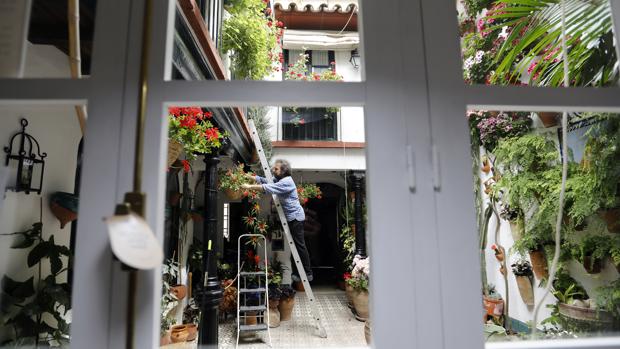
point(281, 168)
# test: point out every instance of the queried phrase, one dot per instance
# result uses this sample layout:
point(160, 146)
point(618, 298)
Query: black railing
point(309, 124)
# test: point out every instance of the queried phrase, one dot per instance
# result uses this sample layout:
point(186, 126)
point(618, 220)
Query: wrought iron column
point(357, 180)
point(211, 292)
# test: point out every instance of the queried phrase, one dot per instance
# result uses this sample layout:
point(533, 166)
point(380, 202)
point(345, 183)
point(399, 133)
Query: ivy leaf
point(18, 289)
point(56, 263)
point(38, 252)
point(22, 241)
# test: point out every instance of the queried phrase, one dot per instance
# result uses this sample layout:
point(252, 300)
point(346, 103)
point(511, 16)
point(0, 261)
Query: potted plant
point(608, 299)
point(522, 269)
point(582, 315)
point(614, 252)
point(359, 282)
point(287, 302)
point(191, 318)
point(190, 128)
point(591, 252)
point(494, 305)
point(307, 191)
point(513, 217)
point(275, 294)
point(231, 180)
point(167, 302)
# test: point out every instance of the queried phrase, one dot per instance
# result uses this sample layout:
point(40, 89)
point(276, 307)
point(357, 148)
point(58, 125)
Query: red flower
point(256, 259)
point(188, 122)
point(212, 133)
point(346, 276)
point(175, 111)
point(319, 197)
point(280, 24)
point(302, 121)
point(305, 201)
point(208, 115)
point(299, 75)
point(246, 193)
point(186, 166)
point(494, 247)
point(269, 24)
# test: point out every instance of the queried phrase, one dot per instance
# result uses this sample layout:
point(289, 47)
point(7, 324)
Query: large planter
point(539, 263)
point(577, 318)
point(612, 219)
point(548, 119)
point(286, 308)
point(174, 150)
point(250, 318)
point(525, 289)
point(274, 317)
point(367, 331)
point(349, 292)
point(192, 329)
point(179, 333)
point(592, 265)
point(360, 302)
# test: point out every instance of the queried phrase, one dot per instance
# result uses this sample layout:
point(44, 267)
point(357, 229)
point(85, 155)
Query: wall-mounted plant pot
point(179, 291)
point(539, 263)
point(592, 265)
point(493, 306)
point(612, 219)
point(64, 206)
point(174, 150)
point(516, 230)
point(525, 289)
point(549, 119)
point(585, 319)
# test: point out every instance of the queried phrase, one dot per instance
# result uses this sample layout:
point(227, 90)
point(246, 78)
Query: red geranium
point(346, 276)
point(186, 165)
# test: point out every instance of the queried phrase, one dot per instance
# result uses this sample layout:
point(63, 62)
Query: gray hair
point(285, 167)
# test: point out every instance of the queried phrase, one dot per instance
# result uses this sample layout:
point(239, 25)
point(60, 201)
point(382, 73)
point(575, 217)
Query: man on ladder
point(286, 190)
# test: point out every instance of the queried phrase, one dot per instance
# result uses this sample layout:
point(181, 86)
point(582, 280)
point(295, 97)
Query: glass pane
point(325, 153)
point(258, 40)
point(38, 211)
point(37, 40)
point(517, 167)
point(520, 43)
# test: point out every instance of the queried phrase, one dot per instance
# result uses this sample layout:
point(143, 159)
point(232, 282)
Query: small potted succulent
point(522, 269)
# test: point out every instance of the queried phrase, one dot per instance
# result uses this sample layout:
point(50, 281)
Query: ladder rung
point(252, 308)
point(259, 327)
point(252, 290)
point(252, 273)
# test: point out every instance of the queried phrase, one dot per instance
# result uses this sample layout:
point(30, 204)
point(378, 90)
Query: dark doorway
point(321, 231)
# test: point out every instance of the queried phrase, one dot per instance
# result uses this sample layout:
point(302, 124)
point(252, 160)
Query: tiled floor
point(343, 331)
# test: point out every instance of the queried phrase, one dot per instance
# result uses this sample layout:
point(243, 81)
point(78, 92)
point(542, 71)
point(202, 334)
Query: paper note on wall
point(14, 23)
point(133, 242)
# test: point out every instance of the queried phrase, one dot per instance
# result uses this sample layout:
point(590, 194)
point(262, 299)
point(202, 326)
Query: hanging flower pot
point(179, 291)
point(233, 195)
point(612, 219)
point(174, 150)
point(64, 206)
point(516, 230)
point(592, 265)
point(539, 263)
point(548, 119)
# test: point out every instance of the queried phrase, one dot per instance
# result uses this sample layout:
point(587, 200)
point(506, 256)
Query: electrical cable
point(558, 225)
point(351, 16)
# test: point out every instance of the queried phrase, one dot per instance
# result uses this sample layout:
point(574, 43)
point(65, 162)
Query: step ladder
point(320, 330)
point(259, 291)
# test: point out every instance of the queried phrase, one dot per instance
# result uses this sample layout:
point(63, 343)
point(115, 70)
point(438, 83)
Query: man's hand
point(246, 186)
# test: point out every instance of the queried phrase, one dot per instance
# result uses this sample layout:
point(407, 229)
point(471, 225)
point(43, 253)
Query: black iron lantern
point(355, 57)
point(29, 162)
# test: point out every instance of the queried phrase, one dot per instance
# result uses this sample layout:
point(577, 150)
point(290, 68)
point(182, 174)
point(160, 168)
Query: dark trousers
point(297, 231)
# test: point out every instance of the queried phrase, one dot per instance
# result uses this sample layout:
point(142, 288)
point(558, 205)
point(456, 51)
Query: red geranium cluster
point(191, 127)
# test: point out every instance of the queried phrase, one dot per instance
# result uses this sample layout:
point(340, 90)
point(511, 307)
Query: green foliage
point(191, 127)
point(24, 303)
point(251, 38)
point(474, 7)
point(274, 272)
point(170, 275)
point(608, 298)
point(534, 42)
point(595, 246)
point(259, 115)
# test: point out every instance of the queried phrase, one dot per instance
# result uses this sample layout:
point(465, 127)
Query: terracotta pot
point(250, 318)
point(179, 333)
point(539, 264)
point(548, 119)
point(360, 302)
point(286, 308)
point(592, 265)
point(165, 340)
point(349, 292)
point(273, 303)
point(179, 291)
point(174, 150)
point(516, 230)
point(500, 254)
point(274, 317)
point(299, 286)
point(367, 331)
point(494, 307)
point(192, 329)
point(233, 195)
point(612, 219)
point(486, 166)
point(525, 289)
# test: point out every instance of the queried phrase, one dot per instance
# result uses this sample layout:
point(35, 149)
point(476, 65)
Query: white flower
point(468, 63)
point(479, 55)
point(504, 33)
